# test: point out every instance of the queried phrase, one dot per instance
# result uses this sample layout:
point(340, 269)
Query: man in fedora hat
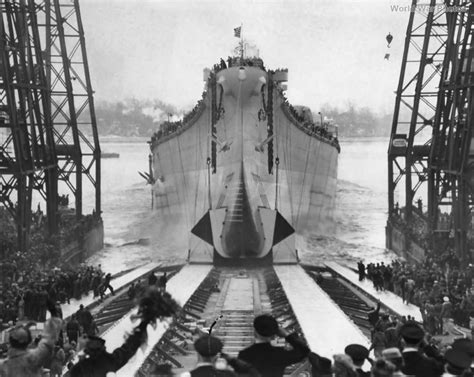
point(271, 361)
point(208, 348)
point(457, 363)
point(358, 354)
point(320, 366)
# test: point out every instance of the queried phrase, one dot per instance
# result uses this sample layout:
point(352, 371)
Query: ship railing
point(333, 141)
point(180, 129)
point(237, 61)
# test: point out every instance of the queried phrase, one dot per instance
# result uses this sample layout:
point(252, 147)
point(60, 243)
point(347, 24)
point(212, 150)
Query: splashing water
point(359, 217)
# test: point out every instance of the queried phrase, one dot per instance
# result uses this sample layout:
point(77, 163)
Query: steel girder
point(415, 104)
point(72, 102)
point(48, 129)
point(27, 154)
point(451, 185)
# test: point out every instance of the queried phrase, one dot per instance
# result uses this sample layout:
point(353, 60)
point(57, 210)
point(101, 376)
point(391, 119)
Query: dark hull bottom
point(221, 261)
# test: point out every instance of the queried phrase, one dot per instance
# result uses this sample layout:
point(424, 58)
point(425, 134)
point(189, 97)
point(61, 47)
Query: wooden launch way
point(328, 309)
point(287, 292)
point(117, 283)
point(326, 327)
point(389, 299)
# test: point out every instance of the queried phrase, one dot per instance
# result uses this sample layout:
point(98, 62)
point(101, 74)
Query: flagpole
point(241, 42)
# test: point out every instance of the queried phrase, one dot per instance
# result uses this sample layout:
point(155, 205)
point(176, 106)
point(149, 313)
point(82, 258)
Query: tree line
point(353, 121)
point(133, 117)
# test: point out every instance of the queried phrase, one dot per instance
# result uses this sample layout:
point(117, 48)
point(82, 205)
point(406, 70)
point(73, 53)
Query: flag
point(237, 31)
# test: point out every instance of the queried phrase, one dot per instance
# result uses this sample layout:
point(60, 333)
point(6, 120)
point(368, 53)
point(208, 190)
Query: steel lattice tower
point(430, 137)
point(27, 153)
point(72, 102)
point(415, 103)
point(48, 130)
point(452, 160)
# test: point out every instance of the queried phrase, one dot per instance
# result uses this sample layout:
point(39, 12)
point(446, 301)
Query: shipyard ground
point(327, 304)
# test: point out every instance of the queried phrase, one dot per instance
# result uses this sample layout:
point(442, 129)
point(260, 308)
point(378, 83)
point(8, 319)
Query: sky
point(334, 50)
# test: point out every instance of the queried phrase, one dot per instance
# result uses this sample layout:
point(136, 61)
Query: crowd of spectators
point(27, 288)
point(417, 230)
point(237, 61)
point(74, 343)
point(29, 279)
point(70, 229)
point(438, 286)
point(168, 127)
point(401, 347)
point(313, 128)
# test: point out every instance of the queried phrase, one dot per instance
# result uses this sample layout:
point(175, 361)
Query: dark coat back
point(101, 364)
point(417, 364)
point(271, 361)
point(210, 371)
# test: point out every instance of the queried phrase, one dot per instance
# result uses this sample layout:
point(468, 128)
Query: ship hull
point(243, 197)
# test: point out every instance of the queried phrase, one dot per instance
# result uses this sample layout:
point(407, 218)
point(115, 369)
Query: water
point(360, 213)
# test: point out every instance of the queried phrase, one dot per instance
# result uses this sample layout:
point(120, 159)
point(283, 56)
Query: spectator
point(446, 313)
point(162, 282)
point(99, 362)
point(106, 285)
point(465, 345)
point(374, 316)
point(57, 362)
point(415, 361)
point(361, 269)
point(73, 329)
point(343, 366)
point(410, 290)
point(394, 356)
point(85, 319)
point(384, 322)
point(22, 361)
point(131, 292)
point(271, 361)
point(208, 347)
point(320, 366)
point(382, 368)
point(391, 335)
point(358, 355)
point(430, 317)
point(457, 362)
point(379, 342)
point(152, 279)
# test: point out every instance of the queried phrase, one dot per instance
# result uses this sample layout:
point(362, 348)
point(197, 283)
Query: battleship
point(245, 170)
